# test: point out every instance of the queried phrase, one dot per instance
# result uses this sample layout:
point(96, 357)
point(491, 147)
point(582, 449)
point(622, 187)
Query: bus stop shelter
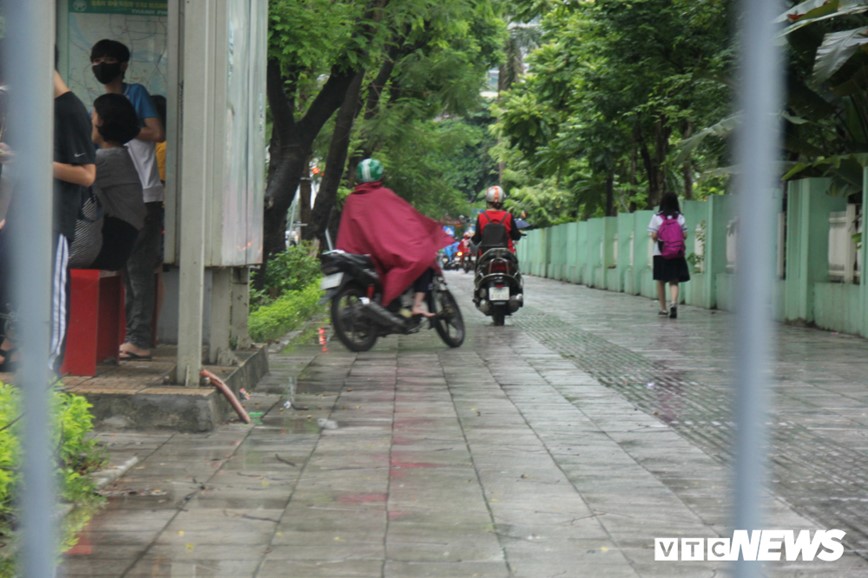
point(208, 59)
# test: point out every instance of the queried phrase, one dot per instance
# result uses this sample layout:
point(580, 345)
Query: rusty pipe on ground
point(227, 393)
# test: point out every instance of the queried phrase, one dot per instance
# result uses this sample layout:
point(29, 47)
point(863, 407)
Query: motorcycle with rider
point(383, 277)
point(498, 289)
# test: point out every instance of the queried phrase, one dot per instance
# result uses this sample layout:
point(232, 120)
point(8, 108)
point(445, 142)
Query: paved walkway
point(559, 445)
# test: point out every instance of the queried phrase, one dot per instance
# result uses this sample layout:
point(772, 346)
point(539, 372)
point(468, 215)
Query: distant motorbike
point(465, 261)
point(353, 286)
point(498, 289)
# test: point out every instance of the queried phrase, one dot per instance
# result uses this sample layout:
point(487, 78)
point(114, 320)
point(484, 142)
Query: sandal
point(130, 356)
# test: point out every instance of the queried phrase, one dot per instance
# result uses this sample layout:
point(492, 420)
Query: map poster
point(129, 7)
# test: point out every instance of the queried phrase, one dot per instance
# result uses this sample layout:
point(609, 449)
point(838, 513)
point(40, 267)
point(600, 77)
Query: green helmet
point(369, 170)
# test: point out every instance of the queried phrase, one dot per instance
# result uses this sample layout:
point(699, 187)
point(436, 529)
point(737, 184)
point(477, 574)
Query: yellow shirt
point(161, 160)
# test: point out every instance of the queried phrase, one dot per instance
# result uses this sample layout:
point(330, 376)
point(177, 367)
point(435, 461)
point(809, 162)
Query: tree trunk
point(296, 137)
point(687, 167)
point(337, 158)
point(650, 168)
point(375, 93)
point(305, 190)
point(278, 197)
point(661, 151)
point(610, 194)
point(296, 144)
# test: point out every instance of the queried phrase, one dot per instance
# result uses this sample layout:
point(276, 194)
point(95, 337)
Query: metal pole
point(29, 28)
point(757, 150)
point(197, 151)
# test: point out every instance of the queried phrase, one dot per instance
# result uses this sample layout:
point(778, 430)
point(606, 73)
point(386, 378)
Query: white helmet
point(495, 195)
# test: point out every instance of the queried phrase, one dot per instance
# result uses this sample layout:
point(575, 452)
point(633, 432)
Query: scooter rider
point(401, 241)
point(494, 214)
point(464, 247)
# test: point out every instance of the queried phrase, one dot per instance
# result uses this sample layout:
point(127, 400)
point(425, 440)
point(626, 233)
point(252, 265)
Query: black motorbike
point(353, 286)
point(465, 260)
point(498, 289)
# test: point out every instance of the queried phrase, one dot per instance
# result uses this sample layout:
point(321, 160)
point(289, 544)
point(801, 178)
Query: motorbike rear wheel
point(498, 315)
point(355, 331)
point(448, 321)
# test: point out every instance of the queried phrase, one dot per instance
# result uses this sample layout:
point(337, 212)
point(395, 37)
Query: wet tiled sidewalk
point(559, 445)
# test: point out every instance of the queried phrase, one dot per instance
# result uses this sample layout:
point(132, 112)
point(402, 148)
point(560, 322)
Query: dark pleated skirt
point(671, 270)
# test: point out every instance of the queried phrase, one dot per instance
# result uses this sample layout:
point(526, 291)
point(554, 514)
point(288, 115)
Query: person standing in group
point(74, 170)
point(668, 230)
point(110, 59)
point(107, 241)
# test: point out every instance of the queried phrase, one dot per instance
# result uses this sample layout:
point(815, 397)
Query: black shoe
point(673, 312)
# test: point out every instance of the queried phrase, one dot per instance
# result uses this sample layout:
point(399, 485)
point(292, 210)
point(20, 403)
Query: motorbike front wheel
point(355, 331)
point(448, 321)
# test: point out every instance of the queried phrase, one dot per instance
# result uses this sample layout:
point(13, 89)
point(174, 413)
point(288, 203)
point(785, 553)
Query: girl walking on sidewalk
point(668, 230)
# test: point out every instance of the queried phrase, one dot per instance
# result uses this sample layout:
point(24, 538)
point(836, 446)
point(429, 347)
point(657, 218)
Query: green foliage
point(309, 35)
point(826, 130)
point(77, 454)
point(440, 182)
point(544, 203)
point(612, 87)
point(290, 296)
point(291, 270)
point(274, 320)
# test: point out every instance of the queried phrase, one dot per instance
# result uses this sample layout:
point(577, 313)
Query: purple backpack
point(671, 238)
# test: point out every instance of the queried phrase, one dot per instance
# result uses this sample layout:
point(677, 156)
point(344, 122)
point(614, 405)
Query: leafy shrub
point(77, 454)
point(80, 454)
point(290, 270)
point(272, 321)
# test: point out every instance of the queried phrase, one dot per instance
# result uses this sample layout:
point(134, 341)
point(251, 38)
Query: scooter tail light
point(498, 267)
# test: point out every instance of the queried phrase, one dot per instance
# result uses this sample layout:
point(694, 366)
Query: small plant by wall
point(273, 321)
point(290, 270)
point(290, 296)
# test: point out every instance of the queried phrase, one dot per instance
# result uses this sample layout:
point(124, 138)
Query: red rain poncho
point(401, 241)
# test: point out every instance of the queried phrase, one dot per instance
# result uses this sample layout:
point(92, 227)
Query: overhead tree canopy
point(405, 67)
point(612, 87)
point(602, 106)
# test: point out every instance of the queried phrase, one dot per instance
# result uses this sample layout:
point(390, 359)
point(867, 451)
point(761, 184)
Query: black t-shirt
point(72, 145)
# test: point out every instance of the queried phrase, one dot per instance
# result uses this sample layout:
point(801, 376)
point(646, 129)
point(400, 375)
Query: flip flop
point(130, 356)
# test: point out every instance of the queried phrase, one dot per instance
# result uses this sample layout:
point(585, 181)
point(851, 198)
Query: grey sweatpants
point(139, 279)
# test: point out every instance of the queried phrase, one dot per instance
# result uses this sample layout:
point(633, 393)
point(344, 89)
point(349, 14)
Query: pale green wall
point(585, 253)
point(808, 209)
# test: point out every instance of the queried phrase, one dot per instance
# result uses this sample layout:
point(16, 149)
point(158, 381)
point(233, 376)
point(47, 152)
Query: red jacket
point(464, 246)
point(402, 241)
point(505, 218)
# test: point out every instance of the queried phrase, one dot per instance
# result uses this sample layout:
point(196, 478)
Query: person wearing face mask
point(110, 60)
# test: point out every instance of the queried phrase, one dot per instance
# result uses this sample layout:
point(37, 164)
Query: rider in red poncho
point(402, 242)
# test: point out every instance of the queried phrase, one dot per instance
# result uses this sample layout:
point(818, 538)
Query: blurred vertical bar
point(29, 63)
point(757, 152)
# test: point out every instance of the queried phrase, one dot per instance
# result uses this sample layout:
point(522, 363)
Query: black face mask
point(105, 72)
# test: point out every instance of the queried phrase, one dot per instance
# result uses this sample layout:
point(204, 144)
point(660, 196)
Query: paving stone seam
point(541, 428)
point(300, 477)
point(556, 332)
